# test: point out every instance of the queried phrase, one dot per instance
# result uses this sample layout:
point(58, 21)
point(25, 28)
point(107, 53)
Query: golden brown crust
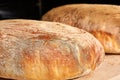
point(39, 50)
point(105, 38)
point(100, 19)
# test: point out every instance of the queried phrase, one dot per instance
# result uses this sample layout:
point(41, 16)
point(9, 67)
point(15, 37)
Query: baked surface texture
point(41, 50)
point(102, 20)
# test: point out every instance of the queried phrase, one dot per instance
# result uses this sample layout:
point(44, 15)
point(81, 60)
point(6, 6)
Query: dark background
point(34, 9)
point(28, 9)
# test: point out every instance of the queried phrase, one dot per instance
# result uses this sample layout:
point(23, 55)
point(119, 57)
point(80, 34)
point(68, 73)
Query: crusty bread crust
point(102, 20)
point(40, 50)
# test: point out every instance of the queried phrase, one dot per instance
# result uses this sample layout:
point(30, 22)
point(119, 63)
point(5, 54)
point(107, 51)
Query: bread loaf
point(41, 50)
point(102, 20)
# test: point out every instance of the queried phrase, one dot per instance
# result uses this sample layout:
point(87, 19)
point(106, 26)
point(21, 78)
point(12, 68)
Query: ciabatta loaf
point(40, 50)
point(102, 20)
